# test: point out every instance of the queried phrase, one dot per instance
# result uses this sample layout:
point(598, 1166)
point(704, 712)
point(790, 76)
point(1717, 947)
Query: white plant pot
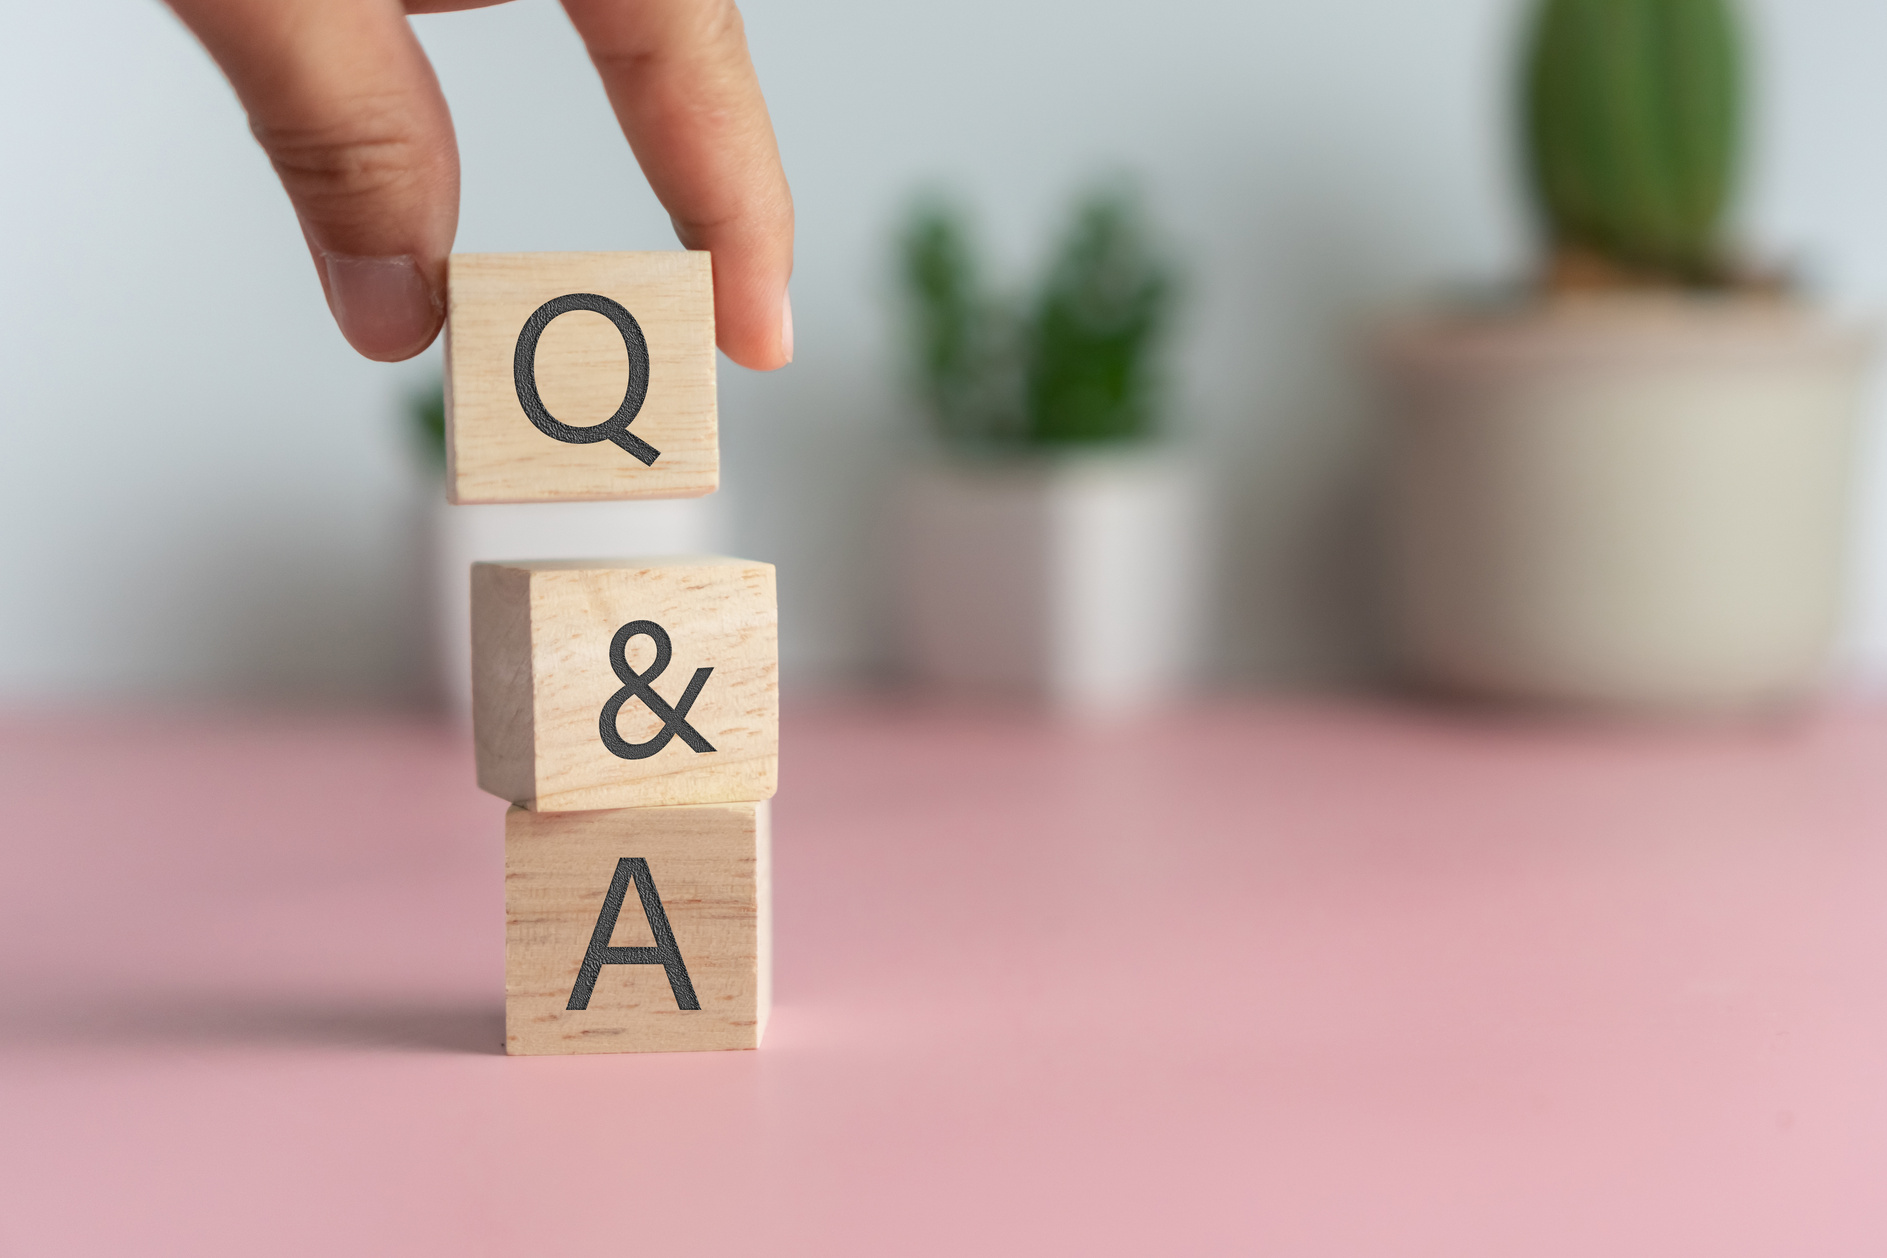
point(1077, 579)
point(458, 536)
point(1625, 504)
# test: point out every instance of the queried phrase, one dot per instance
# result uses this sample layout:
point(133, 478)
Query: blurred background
point(204, 493)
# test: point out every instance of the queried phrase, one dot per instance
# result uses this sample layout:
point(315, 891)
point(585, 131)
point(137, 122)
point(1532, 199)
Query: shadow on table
point(239, 1023)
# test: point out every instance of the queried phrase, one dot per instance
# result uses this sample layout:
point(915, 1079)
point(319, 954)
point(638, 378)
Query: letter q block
point(626, 683)
point(577, 376)
point(636, 930)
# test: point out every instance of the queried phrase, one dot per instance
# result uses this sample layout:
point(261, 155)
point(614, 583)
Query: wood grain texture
point(542, 674)
point(710, 866)
point(495, 454)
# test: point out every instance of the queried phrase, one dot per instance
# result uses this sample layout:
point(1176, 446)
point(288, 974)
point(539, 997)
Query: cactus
point(1633, 121)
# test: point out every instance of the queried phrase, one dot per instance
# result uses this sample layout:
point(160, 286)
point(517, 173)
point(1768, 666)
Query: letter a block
point(573, 376)
point(625, 683)
point(636, 930)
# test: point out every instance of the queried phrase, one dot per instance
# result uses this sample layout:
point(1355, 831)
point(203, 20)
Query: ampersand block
point(626, 683)
point(637, 930)
point(580, 376)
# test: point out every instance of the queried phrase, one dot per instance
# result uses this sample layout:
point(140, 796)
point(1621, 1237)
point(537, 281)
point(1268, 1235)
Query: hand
point(342, 99)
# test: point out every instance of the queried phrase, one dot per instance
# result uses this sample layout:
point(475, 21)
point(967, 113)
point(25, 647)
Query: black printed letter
point(664, 953)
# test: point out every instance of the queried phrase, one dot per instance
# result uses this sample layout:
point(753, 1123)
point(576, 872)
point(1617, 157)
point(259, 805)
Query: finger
point(684, 89)
point(448, 6)
point(344, 103)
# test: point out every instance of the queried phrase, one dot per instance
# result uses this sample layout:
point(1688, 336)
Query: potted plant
point(1049, 541)
point(1627, 492)
point(455, 537)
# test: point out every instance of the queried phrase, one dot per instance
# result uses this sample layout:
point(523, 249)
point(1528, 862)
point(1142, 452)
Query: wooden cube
point(637, 930)
point(575, 376)
point(625, 683)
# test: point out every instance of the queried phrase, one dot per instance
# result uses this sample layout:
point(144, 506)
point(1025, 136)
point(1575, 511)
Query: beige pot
point(1633, 505)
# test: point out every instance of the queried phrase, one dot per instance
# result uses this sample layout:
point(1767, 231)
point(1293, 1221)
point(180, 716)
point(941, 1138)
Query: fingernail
point(385, 307)
point(786, 325)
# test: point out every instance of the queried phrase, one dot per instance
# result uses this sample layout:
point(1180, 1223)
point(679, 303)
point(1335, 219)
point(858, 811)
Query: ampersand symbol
point(616, 427)
point(636, 686)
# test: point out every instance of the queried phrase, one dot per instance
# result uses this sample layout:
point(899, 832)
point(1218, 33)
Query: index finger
point(684, 90)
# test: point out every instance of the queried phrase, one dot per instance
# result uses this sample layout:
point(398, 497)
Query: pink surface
point(1288, 980)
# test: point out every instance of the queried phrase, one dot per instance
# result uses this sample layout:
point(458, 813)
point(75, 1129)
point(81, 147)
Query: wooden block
point(637, 930)
point(625, 683)
point(575, 376)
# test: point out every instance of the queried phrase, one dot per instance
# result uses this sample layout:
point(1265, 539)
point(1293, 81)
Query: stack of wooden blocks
point(628, 709)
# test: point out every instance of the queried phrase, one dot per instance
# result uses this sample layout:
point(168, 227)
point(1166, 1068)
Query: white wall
point(202, 491)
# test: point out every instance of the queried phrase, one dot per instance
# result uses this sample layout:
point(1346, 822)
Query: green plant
point(1633, 128)
point(426, 415)
point(1091, 374)
point(963, 350)
point(1078, 367)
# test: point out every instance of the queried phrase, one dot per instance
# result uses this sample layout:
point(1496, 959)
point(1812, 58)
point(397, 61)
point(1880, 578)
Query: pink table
point(1290, 980)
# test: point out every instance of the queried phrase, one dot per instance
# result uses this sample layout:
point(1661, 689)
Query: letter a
point(664, 953)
